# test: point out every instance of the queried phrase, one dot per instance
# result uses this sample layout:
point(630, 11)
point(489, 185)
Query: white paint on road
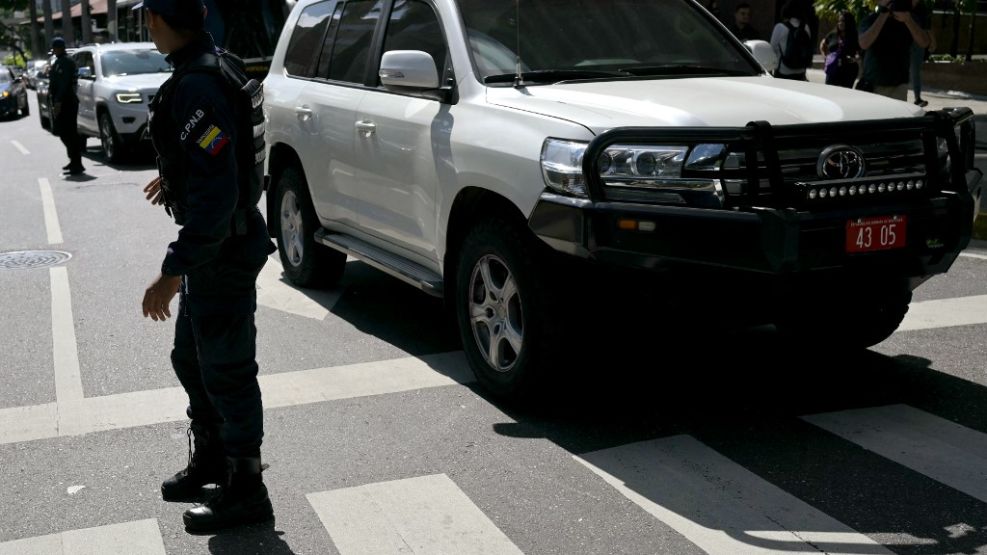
point(51, 215)
point(974, 255)
point(944, 313)
point(719, 505)
point(424, 516)
point(143, 408)
point(20, 147)
point(142, 537)
point(942, 450)
point(68, 379)
point(274, 292)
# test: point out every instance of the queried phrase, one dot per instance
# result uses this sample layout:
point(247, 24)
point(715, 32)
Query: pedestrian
point(62, 91)
point(887, 37)
point(841, 49)
point(792, 41)
point(742, 28)
point(206, 124)
point(920, 54)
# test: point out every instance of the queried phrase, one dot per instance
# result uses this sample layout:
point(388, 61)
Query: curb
point(980, 227)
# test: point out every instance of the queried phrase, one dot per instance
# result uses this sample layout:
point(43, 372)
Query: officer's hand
point(159, 295)
point(153, 191)
point(902, 16)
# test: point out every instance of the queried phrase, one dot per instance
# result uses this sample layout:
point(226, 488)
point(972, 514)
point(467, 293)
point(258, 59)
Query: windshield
point(4, 76)
point(132, 62)
point(571, 39)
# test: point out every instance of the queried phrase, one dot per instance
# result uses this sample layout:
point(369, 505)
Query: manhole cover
point(20, 260)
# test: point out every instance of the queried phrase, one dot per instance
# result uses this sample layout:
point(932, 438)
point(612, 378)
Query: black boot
point(243, 501)
point(206, 465)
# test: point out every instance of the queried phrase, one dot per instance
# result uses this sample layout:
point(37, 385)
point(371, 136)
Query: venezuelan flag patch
point(214, 140)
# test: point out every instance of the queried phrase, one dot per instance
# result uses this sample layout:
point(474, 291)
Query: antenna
point(518, 79)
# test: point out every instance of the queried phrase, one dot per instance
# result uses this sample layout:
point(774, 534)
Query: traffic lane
point(966, 278)
point(518, 466)
point(26, 362)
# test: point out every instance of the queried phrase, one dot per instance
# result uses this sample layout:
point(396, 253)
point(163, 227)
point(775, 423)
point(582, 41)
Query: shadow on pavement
point(250, 539)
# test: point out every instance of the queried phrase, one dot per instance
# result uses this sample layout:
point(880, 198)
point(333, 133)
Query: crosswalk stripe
point(274, 293)
point(143, 408)
point(719, 505)
point(68, 377)
point(53, 228)
point(423, 515)
point(944, 313)
point(140, 537)
point(20, 147)
point(942, 450)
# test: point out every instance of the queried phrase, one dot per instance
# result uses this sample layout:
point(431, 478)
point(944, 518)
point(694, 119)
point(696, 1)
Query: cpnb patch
point(213, 140)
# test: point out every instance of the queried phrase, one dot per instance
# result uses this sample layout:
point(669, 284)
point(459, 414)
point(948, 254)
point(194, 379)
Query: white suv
point(116, 84)
point(491, 151)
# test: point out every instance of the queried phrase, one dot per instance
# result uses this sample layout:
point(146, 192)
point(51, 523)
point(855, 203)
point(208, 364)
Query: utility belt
point(239, 222)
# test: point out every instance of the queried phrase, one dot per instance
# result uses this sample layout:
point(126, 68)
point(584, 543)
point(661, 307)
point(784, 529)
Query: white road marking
point(142, 537)
point(973, 255)
point(68, 379)
point(20, 147)
point(944, 313)
point(143, 408)
point(51, 215)
point(423, 515)
point(719, 505)
point(942, 450)
point(273, 292)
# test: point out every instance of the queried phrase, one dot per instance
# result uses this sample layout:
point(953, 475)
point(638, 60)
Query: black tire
point(45, 122)
point(27, 107)
point(502, 242)
point(850, 321)
point(109, 140)
point(306, 263)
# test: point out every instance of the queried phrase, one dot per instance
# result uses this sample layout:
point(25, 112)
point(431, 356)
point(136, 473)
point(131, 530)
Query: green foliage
point(15, 60)
point(13, 4)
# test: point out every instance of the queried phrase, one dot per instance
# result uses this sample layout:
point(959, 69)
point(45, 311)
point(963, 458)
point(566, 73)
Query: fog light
point(910, 185)
point(901, 185)
point(627, 225)
point(919, 184)
point(646, 226)
point(813, 194)
point(823, 193)
point(842, 191)
point(853, 190)
point(872, 188)
point(882, 187)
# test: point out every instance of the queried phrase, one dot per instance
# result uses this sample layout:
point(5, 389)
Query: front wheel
point(108, 138)
point(26, 111)
point(503, 309)
point(306, 263)
point(848, 321)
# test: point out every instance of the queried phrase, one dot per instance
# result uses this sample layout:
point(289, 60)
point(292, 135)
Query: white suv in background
point(491, 152)
point(116, 83)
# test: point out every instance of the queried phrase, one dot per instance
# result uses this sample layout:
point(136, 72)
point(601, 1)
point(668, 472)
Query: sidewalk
point(948, 99)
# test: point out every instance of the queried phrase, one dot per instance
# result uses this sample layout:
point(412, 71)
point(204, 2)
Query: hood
point(699, 102)
point(141, 81)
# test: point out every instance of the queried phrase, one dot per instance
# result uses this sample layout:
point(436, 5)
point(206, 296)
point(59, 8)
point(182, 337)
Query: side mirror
point(86, 73)
point(410, 69)
point(764, 53)
point(18, 79)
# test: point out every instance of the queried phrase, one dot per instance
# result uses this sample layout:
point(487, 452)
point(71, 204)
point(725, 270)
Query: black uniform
point(62, 87)
point(202, 136)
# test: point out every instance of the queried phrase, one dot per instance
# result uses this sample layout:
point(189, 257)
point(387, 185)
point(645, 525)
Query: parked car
point(116, 83)
point(35, 69)
point(13, 94)
point(491, 153)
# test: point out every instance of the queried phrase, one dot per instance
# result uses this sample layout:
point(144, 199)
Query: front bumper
point(774, 240)
point(8, 105)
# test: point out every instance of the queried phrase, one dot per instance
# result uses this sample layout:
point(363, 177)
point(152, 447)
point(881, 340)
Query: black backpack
point(798, 48)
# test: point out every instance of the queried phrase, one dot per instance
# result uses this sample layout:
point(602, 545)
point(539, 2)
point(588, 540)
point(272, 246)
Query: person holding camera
point(887, 37)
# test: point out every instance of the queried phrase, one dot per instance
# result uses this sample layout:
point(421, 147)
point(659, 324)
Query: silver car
point(116, 84)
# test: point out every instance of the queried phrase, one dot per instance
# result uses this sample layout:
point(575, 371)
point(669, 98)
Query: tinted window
point(415, 26)
point(5, 76)
point(306, 39)
point(84, 59)
point(353, 40)
point(133, 62)
point(326, 55)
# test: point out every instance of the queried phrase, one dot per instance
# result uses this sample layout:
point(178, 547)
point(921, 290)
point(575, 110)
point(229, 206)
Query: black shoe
point(76, 170)
point(243, 501)
point(921, 103)
point(206, 465)
point(67, 167)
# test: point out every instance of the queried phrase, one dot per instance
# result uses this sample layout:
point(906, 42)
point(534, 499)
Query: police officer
point(206, 124)
point(64, 80)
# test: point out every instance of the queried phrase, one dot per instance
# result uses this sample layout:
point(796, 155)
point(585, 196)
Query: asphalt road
point(669, 441)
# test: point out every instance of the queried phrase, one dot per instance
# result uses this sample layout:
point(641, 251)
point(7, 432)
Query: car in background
point(35, 71)
point(13, 94)
point(116, 84)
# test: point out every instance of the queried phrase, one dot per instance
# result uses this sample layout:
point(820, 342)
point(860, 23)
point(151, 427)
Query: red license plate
point(876, 234)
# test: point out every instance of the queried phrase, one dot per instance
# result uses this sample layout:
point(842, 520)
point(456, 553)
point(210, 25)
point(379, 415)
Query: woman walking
point(841, 49)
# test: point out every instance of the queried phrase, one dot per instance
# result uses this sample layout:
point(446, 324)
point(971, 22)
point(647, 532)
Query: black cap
point(175, 10)
point(58, 42)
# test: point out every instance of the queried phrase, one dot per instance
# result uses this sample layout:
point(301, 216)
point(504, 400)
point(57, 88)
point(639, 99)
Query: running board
point(403, 269)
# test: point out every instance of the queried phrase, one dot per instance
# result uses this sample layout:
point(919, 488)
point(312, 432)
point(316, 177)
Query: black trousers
point(214, 358)
point(67, 127)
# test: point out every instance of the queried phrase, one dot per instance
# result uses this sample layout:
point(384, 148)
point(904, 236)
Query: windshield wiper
point(552, 75)
point(681, 69)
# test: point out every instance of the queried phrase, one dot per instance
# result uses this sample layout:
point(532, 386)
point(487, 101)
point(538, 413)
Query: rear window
point(301, 59)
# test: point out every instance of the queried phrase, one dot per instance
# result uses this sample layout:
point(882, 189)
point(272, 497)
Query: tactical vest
point(248, 98)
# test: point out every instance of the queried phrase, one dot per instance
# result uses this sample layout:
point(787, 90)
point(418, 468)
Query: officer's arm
point(206, 132)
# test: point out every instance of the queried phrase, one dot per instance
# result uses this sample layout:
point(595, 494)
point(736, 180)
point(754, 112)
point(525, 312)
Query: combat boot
point(243, 500)
point(206, 465)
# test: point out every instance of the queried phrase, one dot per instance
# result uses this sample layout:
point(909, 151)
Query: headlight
point(562, 166)
point(5, 94)
point(129, 98)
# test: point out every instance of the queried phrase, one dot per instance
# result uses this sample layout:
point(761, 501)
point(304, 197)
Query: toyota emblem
point(841, 162)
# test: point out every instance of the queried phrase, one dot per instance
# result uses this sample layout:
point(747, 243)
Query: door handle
point(304, 112)
point(366, 128)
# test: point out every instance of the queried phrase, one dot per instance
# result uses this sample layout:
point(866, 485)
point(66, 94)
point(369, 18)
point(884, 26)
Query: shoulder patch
point(213, 140)
point(191, 124)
